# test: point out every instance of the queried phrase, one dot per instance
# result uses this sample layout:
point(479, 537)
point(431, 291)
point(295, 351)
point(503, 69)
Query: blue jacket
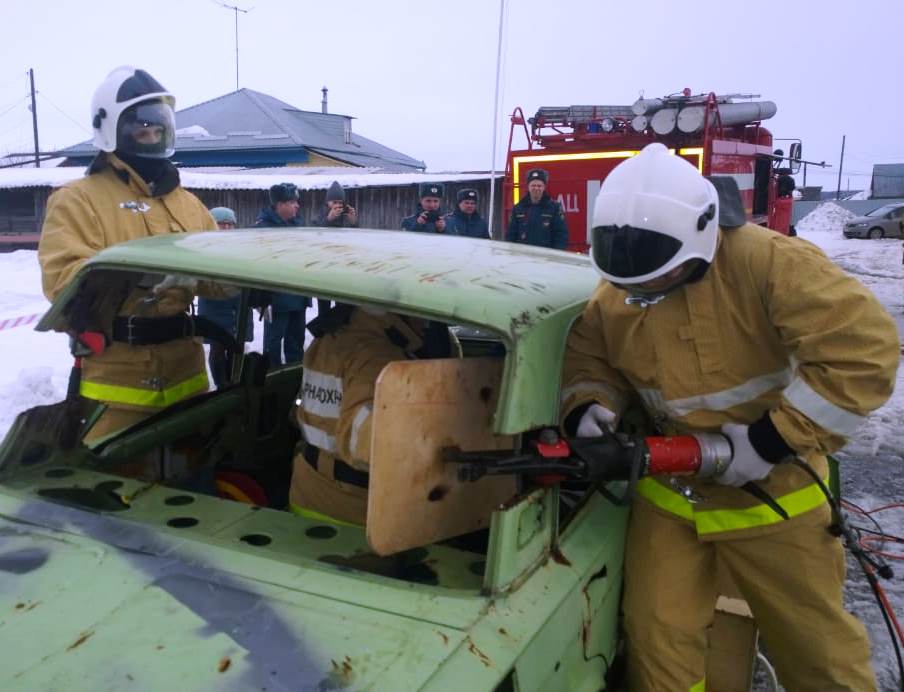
point(409, 223)
point(538, 224)
point(282, 302)
point(473, 226)
point(223, 312)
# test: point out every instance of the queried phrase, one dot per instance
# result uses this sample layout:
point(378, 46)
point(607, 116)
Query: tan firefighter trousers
point(792, 579)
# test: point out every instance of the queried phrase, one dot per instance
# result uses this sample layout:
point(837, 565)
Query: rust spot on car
point(444, 637)
point(83, 637)
point(486, 393)
point(521, 320)
point(224, 664)
point(558, 557)
point(341, 675)
point(437, 493)
point(472, 647)
point(430, 278)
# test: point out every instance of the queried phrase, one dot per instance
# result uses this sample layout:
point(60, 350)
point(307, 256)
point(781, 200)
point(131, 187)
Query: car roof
point(527, 295)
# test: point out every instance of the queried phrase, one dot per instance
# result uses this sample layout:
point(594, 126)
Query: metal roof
point(888, 180)
point(248, 119)
point(526, 295)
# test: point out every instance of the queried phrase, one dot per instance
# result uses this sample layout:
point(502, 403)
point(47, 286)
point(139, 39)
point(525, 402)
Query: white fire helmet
point(653, 213)
point(132, 112)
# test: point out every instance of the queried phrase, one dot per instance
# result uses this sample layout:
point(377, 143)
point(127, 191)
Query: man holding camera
point(337, 213)
point(428, 218)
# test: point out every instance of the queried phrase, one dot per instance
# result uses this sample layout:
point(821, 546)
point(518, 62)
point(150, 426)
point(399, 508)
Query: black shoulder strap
point(331, 321)
point(731, 207)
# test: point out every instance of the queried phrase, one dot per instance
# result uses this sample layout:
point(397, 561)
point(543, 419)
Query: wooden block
point(420, 407)
point(732, 646)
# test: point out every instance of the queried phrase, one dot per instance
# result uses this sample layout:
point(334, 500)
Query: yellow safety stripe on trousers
point(151, 398)
point(317, 516)
point(698, 687)
point(717, 520)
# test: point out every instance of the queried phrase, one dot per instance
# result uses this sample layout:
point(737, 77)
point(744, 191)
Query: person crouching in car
point(351, 347)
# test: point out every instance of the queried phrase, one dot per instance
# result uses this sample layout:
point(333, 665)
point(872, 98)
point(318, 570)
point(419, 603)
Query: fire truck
point(720, 135)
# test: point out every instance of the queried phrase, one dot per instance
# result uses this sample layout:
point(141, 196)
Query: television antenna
point(235, 9)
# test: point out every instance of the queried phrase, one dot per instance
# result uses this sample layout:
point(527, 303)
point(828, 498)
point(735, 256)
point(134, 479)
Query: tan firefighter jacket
point(774, 333)
point(109, 206)
point(334, 414)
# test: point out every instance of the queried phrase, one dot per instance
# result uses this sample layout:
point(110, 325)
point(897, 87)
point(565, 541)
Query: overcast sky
point(419, 76)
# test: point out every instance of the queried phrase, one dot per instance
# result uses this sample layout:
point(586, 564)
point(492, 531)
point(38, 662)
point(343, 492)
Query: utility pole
point(805, 174)
point(492, 213)
point(236, 11)
point(34, 117)
point(840, 166)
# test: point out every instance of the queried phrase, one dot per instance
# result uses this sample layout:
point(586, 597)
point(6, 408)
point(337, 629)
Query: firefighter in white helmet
point(764, 338)
point(144, 362)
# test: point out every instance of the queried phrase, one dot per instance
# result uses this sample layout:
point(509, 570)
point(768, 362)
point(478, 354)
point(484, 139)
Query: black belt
point(342, 472)
point(146, 331)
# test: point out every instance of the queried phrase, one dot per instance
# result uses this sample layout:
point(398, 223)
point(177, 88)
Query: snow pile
point(192, 131)
point(826, 218)
point(32, 387)
point(21, 294)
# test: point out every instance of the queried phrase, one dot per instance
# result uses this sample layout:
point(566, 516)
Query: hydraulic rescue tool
point(620, 457)
point(613, 457)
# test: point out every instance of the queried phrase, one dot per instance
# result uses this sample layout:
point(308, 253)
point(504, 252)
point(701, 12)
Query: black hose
point(841, 528)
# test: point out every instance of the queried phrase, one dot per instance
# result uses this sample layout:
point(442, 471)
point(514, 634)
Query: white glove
point(596, 421)
point(173, 281)
point(746, 464)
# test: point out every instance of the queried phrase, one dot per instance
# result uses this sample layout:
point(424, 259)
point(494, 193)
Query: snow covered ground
point(36, 367)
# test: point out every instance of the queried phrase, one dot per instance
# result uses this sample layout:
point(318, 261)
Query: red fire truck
point(720, 135)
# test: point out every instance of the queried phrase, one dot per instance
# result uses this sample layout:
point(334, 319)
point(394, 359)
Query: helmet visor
point(147, 129)
point(626, 252)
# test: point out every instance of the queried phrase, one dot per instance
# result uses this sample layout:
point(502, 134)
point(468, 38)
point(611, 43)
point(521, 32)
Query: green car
point(113, 582)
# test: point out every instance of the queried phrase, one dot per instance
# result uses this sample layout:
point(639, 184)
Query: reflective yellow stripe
point(317, 516)
point(699, 687)
point(665, 499)
point(144, 397)
point(796, 503)
point(710, 521)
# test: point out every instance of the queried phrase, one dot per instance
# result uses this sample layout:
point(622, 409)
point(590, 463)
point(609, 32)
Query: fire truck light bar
point(517, 161)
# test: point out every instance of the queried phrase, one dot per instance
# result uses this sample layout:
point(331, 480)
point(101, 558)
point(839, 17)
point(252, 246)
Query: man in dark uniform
point(465, 220)
point(537, 219)
point(285, 330)
point(428, 218)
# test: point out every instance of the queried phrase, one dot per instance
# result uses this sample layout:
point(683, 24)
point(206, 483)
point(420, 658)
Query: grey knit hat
point(336, 193)
point(223, 215)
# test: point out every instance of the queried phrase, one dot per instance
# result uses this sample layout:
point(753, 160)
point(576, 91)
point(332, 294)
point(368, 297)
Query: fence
point(858, 207)
point(378, 207)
